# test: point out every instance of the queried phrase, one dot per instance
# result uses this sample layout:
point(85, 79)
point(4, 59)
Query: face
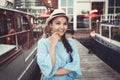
point(59, 25)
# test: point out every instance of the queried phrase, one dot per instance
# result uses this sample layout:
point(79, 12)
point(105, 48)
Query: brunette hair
point(67, 46)
point(64, 40)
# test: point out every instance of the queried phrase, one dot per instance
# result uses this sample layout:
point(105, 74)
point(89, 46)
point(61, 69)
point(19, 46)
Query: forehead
point(60, 18)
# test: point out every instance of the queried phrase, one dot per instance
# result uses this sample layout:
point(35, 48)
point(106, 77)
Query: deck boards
point(93, 68)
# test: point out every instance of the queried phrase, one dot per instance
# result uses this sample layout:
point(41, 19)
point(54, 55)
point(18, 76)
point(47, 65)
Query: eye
point(65, 24)
point(58, 23)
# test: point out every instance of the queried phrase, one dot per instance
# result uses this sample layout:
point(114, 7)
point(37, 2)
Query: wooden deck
point(93, 68)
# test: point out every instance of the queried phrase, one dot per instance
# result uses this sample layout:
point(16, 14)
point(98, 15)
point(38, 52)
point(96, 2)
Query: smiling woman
point(57, 56)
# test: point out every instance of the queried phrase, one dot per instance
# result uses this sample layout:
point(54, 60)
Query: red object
point(11, 39)
point(44, 15)
point(92, 15)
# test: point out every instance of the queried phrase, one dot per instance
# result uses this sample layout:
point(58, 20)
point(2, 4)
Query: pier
point(92, 67)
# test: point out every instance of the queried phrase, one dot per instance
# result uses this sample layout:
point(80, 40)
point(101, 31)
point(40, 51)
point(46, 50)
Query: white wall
point(85, 5)
point(82, 7)
point(2, 2)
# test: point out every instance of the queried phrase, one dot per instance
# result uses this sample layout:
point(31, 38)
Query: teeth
point(61, 30)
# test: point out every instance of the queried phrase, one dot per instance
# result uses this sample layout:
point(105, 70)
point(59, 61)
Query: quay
point(22, 24)
point(92, 67)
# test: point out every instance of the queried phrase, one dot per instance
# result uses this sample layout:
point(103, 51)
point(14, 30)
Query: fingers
point(54, 38)
point(56, 35)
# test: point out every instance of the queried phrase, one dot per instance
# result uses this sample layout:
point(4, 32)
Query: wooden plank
point(93, 68)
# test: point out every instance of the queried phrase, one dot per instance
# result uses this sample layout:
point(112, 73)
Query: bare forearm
point(62, 71)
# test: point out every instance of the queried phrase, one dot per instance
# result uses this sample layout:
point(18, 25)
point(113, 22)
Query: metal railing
point(17, 36)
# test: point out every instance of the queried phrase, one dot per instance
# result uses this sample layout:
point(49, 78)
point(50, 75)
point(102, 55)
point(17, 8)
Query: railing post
point(16, 40)
point(28, 39)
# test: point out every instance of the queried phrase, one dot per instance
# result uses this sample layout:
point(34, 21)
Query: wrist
point(52, 45)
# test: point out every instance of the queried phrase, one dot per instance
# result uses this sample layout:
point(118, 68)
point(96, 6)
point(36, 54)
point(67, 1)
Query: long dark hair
point(67, 46)
point(64, 40)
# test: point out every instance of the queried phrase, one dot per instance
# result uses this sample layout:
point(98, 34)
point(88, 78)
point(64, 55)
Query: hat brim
point(50, 18)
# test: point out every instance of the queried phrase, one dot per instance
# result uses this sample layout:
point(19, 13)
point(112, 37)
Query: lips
point(61, 32)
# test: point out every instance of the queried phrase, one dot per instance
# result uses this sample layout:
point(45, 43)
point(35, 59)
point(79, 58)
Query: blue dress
point(62, 60)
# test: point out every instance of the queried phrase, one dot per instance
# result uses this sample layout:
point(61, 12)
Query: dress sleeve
point(74, 66)
point(44, 59)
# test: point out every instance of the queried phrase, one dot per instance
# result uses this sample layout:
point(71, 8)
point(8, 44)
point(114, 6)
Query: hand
point(54, 38)
point(92, 34)
point(62, 71)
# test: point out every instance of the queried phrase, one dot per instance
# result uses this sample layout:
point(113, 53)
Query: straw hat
point(57, 13)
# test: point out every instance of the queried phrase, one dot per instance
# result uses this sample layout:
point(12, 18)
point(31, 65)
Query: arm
point(74, 66)
point(62, 71)
point(71, 66)
point(54, 39)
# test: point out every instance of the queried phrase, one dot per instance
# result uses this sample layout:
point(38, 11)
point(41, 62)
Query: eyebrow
point(60, 21)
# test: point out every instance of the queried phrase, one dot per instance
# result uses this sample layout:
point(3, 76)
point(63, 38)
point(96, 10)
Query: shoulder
point(73, 44)
point(71, 41)
point(43, 41)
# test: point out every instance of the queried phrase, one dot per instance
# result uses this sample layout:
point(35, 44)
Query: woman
point(57, 56)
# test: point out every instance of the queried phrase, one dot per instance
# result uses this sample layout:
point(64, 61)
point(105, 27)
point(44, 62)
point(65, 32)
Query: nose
point(61, 26)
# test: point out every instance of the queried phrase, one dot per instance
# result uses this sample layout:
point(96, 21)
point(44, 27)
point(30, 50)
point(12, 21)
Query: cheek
point(66, 27)
point(54, 28)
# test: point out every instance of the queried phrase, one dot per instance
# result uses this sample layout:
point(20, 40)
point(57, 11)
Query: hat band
point(62, 14)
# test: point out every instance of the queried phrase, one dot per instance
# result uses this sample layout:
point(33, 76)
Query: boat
point(106, 43)
point(18, 41)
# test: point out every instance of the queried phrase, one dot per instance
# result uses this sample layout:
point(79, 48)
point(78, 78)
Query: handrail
point(16, 33)
point(109, 17)
point(16, 38)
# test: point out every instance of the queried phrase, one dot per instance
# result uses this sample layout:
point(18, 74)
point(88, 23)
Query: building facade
point(7, 3)
point(114, 6)
point(34, 7)
point(78, 8)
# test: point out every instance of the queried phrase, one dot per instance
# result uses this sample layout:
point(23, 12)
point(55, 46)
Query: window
point(115, 35)
point(114, 6)
point(25, 24)
point(63, 3)
point(118, 3)
point(105, 31)
point(70, 10)
point(111, 2)
point(117, 10)
point(70, 3)
point(111, 10)
point(80, 21)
